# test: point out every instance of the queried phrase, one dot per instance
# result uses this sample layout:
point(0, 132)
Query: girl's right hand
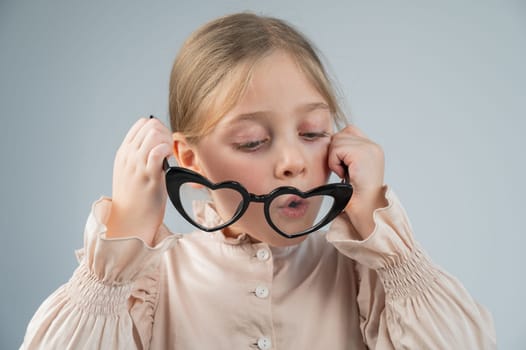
point(139, 191)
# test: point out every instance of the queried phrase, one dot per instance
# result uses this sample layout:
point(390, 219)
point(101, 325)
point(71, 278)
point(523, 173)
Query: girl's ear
point(184, 153)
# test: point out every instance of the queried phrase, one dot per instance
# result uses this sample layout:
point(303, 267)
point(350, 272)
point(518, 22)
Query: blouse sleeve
point(109, 301)
point(405, 301)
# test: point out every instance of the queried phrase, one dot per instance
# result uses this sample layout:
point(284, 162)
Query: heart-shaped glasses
point(289, 211)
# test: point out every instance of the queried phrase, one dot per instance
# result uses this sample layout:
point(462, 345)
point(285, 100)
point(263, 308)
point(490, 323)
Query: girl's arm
point(109, 302)
point(405, 301)
point(139, 190)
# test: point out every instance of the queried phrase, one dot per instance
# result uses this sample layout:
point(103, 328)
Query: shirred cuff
point(403, 267)
point(95, 297)
point(119, 261)
point(408, 278)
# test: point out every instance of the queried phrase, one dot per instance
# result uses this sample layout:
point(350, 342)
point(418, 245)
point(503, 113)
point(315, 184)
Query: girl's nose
point(291, 161)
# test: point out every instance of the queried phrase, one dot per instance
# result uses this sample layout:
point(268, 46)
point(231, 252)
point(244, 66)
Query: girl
point(251, 102)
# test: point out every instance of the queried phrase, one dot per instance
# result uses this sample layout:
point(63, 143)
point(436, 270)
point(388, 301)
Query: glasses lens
point(197, 199)
point(294, 215)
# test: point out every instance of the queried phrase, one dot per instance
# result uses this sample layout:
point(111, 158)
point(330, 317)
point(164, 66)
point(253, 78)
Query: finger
point(344, 148)
point(149, 125)
point(156, 157)
point(130, 136)
point(337, 162)
point(153, 138)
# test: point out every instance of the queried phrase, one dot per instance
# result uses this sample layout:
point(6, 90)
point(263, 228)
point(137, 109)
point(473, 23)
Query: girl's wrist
point(120, 226)
point(361, 209)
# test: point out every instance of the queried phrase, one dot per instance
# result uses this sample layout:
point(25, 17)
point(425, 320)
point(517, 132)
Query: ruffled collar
point(205, 214)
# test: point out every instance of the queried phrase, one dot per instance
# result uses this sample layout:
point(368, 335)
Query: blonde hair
point(214, 65)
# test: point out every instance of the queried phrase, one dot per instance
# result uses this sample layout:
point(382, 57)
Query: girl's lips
point(293, 207)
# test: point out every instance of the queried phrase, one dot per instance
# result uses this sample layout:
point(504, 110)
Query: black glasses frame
point(177, 176)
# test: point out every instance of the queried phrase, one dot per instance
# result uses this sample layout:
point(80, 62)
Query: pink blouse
point(205, 291)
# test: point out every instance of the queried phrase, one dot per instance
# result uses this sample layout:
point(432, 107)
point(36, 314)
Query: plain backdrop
point(440, 85)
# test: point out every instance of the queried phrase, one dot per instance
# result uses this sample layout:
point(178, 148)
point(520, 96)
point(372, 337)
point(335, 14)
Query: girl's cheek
point(318, 149)
point(243, 168)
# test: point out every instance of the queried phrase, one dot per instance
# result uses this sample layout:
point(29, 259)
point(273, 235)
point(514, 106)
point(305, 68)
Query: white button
point(262, 254)
point(264, 343)
point(262, 292)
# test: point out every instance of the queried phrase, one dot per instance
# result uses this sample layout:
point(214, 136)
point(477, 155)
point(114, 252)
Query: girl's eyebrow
point(309, 107)
point(250, 116)
point(304, 108)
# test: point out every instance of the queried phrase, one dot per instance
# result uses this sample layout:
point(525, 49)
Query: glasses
point(289, 211)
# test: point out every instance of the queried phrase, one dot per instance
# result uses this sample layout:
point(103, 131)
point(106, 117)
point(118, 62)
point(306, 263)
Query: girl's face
point(277, 135)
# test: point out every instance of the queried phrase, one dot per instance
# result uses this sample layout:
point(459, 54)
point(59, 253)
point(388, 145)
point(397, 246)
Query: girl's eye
point(312, 136)
point(250, 145)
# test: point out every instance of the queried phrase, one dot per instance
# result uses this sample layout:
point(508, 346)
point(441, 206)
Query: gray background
point(439, 85)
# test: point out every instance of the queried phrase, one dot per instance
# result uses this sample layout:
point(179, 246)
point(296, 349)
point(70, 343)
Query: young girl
point(251, 102)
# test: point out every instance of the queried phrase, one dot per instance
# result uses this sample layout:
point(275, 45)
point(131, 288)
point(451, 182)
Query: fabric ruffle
point(118, 261)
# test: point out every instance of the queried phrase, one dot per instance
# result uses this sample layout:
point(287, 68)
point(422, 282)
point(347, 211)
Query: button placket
point(263, 267)
point(263, 254)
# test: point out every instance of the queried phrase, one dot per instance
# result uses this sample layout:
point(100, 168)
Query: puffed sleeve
point(406, 301)
point(109, 301)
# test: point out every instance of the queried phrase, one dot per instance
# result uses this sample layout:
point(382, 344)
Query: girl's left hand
point(364, 161)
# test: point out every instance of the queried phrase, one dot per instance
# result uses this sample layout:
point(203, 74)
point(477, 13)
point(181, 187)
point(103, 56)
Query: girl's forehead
point(277, 82)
